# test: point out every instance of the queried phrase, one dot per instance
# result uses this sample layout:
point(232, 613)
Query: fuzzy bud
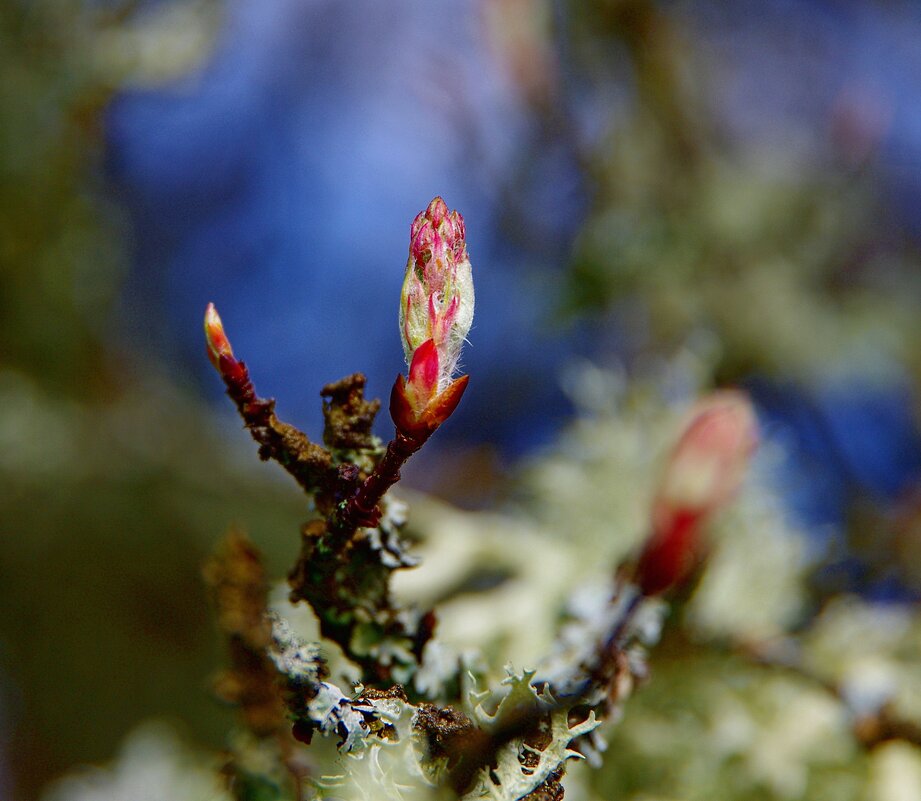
point(437, 299)
point(436, 312)
point(703, 472)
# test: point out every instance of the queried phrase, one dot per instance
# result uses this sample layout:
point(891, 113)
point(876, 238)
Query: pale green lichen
point(512, 779)
point(750, 700)
point(872, 651)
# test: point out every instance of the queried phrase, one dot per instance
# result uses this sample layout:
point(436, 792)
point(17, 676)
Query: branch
point(362, 509)
point(309, 464)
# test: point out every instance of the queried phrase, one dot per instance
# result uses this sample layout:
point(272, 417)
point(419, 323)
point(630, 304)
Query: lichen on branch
point(393, 731)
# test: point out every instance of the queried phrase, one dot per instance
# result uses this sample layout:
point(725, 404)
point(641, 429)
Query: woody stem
point(361, 509)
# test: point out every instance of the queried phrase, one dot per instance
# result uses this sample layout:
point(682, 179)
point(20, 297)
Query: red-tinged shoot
point(221, 356)
point(436, 312)
point(703, 472)
point(216, 340)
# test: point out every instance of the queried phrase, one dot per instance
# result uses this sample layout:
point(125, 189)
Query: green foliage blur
point(114, 483)
point(792, 260)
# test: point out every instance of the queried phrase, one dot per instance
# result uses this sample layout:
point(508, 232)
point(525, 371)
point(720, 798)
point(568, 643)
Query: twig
point(362, 508)
point(310, 464)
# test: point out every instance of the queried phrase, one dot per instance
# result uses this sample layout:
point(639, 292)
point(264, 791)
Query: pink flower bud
point(703, 472)
point(710, 459)
point(436, 312)
point(437, 299)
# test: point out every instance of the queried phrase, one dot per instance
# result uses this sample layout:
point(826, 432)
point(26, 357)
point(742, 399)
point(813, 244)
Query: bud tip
point(218, 345)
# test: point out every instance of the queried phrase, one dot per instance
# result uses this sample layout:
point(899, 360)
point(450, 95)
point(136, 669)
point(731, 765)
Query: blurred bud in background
point(703, 472)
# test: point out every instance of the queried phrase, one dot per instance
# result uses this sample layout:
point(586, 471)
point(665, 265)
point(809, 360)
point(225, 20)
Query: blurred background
point(739, 178)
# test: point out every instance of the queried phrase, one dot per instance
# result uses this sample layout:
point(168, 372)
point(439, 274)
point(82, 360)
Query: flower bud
point(437, 299)
point(709, 461)
point(436, 312)
point(703, 472)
